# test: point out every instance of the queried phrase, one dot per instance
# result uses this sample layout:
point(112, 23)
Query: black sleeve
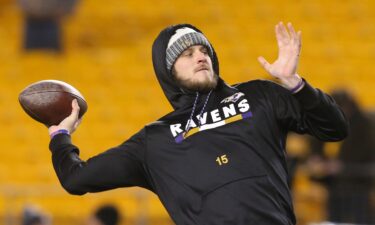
point(309, 111)
point(122, 166)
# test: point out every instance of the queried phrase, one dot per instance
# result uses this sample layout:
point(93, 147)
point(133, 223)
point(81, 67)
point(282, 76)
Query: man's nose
point(200, 56)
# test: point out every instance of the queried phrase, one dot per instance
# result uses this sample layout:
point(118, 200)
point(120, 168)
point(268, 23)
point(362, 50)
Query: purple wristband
point(61, 131)
point(296, 88)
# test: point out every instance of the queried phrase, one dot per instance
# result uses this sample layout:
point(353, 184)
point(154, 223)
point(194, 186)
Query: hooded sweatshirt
point(218, 158)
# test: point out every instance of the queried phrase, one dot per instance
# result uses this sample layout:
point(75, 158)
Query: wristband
point(296, 88)
point(61, 131)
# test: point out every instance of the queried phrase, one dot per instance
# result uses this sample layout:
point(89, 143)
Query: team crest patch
point(234, 98)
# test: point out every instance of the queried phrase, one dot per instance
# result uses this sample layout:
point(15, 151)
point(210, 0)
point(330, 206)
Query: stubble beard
point(201, 86)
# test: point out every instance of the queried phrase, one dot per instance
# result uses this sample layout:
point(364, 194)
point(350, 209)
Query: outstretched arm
point(121, 166)
point(308, 110)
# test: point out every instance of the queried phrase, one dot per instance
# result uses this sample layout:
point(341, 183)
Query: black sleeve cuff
point(308, 96)
point(59, 141)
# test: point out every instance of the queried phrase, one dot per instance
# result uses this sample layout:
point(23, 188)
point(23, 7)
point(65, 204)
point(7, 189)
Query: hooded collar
point(176, 97)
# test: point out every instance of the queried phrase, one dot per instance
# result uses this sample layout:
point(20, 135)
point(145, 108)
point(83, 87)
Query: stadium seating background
point(107, 57)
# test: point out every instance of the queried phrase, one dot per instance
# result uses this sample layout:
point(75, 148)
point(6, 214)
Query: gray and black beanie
point(183, 39)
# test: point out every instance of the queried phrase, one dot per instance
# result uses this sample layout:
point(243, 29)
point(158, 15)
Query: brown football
point(50, 101)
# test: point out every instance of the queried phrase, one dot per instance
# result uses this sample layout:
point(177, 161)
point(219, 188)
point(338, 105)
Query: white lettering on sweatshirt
point(216, 117)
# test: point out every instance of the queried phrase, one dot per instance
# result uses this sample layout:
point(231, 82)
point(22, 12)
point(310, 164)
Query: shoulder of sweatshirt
point(308, 96)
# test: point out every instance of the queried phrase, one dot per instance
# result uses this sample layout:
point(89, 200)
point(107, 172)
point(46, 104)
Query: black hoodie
point(228, 169)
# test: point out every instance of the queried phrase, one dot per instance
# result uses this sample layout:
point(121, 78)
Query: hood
point(175, 95)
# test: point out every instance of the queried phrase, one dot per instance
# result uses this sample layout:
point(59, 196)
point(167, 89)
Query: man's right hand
point(70, 123)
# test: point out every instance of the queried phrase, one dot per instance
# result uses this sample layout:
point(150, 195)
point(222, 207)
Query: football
point(50, 101)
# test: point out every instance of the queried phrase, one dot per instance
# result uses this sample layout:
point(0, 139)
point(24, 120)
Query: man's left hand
point(285, 67)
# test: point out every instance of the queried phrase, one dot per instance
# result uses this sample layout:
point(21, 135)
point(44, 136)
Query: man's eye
point(187, 54)
point(204, 50)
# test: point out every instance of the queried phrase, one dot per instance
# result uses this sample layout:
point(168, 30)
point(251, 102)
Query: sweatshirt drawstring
point(204, 106)
point(193, 111)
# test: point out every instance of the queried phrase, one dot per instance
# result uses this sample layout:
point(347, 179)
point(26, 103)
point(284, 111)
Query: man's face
point(193, 69)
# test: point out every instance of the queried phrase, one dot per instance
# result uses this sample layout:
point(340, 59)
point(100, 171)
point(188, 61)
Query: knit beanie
point(183, 39)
